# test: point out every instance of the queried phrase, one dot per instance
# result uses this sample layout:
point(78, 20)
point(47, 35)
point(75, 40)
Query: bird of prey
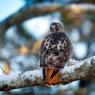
point(55, 52)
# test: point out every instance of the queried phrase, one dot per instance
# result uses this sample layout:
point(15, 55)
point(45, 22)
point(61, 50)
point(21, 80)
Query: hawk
point(55, 51)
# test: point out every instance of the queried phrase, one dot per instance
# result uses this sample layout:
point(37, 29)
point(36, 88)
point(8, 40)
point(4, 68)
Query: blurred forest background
point(23, 26)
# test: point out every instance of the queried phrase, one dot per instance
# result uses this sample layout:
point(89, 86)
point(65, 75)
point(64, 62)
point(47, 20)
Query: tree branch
point(34, 11)
point(29, 12)
point(26, 13)
point(75, 70)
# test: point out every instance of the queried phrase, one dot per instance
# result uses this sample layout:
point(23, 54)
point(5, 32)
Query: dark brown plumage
point(56, 50)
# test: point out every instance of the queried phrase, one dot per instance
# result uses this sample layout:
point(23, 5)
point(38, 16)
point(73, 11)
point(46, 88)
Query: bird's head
point(56, 27)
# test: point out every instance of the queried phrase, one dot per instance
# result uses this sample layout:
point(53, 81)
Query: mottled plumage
point(56, 49)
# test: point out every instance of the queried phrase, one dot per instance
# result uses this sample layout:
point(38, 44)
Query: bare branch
point(29, 12)
point(34, 11)
point(26, 13)
point(76, 70)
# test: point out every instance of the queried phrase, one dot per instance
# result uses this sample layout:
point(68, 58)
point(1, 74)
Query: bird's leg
point(48, 75)
point(52, 76)
point(55, 71)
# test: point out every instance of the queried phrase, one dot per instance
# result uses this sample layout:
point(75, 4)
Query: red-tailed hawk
point(56, 50)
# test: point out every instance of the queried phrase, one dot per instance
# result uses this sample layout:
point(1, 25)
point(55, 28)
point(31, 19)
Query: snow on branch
point(76, 70)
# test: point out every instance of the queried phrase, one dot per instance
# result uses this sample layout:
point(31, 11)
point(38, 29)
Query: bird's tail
point(51, 75)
